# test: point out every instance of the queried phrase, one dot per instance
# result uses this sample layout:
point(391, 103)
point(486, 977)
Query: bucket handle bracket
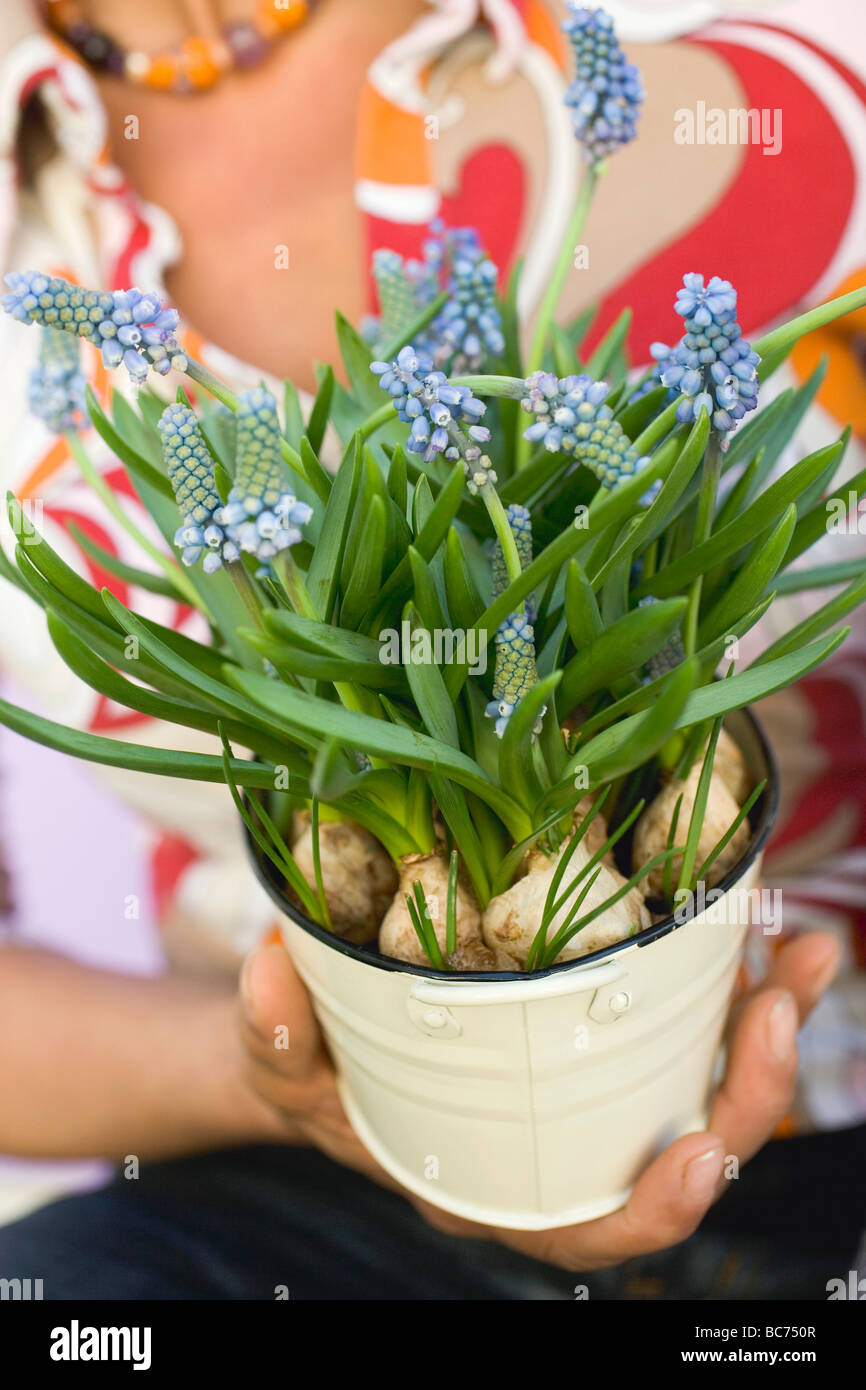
point(446, 996)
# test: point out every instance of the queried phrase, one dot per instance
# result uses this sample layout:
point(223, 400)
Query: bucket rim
point(764, 816)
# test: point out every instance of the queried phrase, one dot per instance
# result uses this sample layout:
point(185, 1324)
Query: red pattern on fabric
point(35, 80)
point(839, 731)
point(168, 863)
point(491, 196)
point(762, 205)
point(100, 578)
point(122, 275)
point(829, 58)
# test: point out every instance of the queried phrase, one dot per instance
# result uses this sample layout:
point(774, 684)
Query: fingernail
point(702, 1173)
point(782, 1028)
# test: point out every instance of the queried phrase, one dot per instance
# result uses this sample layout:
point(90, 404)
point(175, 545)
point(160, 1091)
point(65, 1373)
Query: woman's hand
point(286, 1064)
point(669, 1199)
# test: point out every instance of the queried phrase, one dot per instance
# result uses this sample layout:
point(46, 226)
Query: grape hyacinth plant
point(56, 384)
point(712, 367)
point(457, 278)
point(477, 659)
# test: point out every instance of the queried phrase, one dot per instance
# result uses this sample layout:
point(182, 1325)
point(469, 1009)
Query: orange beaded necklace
point(199, 61)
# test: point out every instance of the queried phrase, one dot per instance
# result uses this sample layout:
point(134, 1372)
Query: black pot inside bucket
point(746, 732)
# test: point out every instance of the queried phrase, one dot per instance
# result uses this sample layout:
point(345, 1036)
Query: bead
point(162, 72)
point(137, 66)
point(197, 63)
point(286, 14)
point(246, 43)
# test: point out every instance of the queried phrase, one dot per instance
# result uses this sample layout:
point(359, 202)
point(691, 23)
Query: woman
point(254, 169)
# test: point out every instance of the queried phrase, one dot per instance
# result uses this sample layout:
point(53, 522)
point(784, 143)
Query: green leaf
point(320, 411)
point(706, 657)
point(224, 697)
point(786, 426)
point(426, 599)
point(464, 601)
point(581, 607)
point(101, 677)
point(332, 776)
point(139, 467)
point(294, 416)
point(534, 477)
point(295, 661)
point(452, 804)
point(732, 829)
point(696, 821)
point(323, 574)
point(789, 333)
point(320, 481)
point(635, 416)
point(139, 430)
point(429, 538)
point(741, 493)
point(356, 359)
point(752, 580)
point(620, 650)
point(366, 576)
point(752, 435)
point(135, 757)
point(819, 577)
point(655, 517)
point(816, 523)
point(813, 626)
point(451, 905)
point(378, 738)
point(635, 740)
point(49, 564)
point(153, 583)
point(269, 841)
point(748, 686)
point(397, 480)
point(515, 749)
point(335, 642)
point(422, 504)
point(429, 693)
point(764, 511)
point(564, 358)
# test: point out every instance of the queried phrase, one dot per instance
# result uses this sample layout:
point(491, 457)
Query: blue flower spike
point(515, 672)
point(571, 418)
point(190, 472)
point(397, 293)
point(129, 327)
point(468, 328)
point(426, 401)
point(521, 527)
point(56, 385)
point(261, 516)
point(606, 94)
point(712, 367)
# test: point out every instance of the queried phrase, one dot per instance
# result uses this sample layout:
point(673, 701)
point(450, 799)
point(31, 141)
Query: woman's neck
point(262, 161)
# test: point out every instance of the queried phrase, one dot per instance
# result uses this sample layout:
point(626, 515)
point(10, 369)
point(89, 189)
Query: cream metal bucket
point(535, 1101)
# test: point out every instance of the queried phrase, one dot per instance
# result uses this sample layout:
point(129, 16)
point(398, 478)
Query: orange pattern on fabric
point(390, 145)
point(843, 393)
point(542, 29)
point(45, 469)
